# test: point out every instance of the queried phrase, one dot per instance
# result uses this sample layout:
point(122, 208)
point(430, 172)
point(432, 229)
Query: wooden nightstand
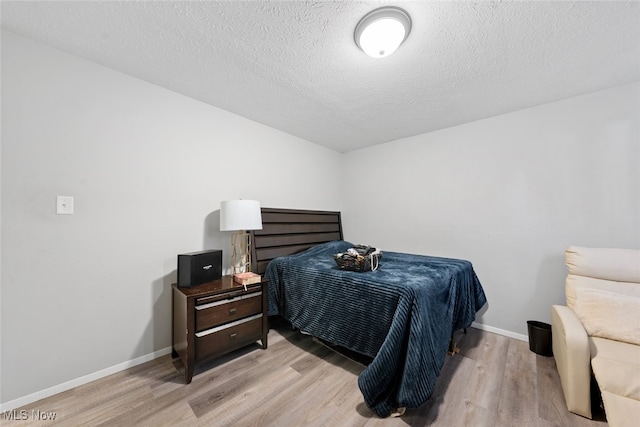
point(215, 318)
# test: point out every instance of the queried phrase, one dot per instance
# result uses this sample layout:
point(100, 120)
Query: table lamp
point(240, 216)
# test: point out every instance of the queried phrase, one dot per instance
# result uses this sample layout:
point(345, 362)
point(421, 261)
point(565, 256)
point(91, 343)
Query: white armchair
point(599, 330)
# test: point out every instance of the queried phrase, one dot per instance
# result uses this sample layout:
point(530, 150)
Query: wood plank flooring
point(492, 381)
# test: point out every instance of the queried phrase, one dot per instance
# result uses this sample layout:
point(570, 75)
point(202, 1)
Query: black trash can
point(540, 338)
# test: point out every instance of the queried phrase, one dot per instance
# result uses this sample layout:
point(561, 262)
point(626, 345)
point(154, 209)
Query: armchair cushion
point(616, 366)
point(608, 315)
point(620, 265)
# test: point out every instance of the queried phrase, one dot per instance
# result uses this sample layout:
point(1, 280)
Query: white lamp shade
point(240, 215)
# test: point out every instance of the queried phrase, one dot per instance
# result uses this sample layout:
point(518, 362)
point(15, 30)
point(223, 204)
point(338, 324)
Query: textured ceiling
point(293, 65)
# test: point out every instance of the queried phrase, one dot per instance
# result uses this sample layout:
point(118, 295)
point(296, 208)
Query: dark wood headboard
point(288, 231)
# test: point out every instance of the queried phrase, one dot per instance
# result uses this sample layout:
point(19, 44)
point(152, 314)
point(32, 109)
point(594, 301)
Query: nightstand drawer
point(225, 311)
point(236, 291)
point(224, 338)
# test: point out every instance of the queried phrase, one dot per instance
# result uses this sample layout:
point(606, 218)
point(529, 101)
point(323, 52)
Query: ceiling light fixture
point(381, 31)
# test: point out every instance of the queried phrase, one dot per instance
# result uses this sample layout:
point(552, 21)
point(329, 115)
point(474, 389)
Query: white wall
point(508, 193)
point(148, 169)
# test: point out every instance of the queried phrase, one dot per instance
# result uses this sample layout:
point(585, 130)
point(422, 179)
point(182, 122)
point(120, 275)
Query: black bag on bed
point(359, 258)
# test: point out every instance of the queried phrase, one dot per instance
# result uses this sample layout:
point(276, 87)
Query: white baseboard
point(34, 397)
point(500, 331)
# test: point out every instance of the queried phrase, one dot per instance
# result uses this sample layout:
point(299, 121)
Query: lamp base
point(240, 252)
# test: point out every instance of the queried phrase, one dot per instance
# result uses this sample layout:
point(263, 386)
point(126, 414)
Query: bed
point(402, 315)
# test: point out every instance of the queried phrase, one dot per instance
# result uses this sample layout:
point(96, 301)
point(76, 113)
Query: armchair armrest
point(573, 359)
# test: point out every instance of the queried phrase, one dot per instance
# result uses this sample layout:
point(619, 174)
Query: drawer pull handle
point(228, 325)
point(232, 310)
point(232, 336)
point(203, 305)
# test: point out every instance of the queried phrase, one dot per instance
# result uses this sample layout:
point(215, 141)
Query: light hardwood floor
point(492, 381)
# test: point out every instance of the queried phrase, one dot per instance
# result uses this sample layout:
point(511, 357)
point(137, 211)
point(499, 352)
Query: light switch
point(64, 205)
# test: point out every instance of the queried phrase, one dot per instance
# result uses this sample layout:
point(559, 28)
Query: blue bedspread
point(401, 315)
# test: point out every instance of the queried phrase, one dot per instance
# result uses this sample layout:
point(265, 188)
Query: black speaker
point(195, 268)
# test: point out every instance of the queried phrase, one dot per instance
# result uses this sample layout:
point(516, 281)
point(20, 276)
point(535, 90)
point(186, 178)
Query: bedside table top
point(224, 284)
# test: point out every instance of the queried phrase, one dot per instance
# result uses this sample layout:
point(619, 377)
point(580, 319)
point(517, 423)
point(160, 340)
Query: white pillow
point(609, 315)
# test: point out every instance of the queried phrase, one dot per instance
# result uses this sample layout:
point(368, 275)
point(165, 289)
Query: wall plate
point(64, 205)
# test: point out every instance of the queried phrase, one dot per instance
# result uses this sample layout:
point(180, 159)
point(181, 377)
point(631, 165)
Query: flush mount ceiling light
point(381, 31)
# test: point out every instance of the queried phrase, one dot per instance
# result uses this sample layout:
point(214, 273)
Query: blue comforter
point(402, 315)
